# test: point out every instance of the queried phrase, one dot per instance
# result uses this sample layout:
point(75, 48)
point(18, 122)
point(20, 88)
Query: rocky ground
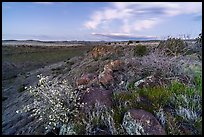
point(114, 77)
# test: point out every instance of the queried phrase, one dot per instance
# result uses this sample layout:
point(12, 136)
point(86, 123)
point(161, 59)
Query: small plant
point(198, 82)
point(177, 87)
point(171, 126)
point(140, 50)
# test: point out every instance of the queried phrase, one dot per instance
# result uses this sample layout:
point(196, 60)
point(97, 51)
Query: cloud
point(137, 16)
point(44, 3)
point(123, 36)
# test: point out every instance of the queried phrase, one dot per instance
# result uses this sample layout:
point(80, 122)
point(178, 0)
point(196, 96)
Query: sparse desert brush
point(157, 62)
point(173, 46)
point(170, 68)
point(130, 42)
point(55, 102)
point(140, 50)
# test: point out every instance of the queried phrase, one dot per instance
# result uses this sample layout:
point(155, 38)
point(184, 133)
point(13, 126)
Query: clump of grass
point(177, 87)
point(198, 83)
point(140, 50)
point(158, 95)
point(172, 125)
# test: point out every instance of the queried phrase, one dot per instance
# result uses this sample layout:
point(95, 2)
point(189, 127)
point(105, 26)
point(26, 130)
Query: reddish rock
point(114, 65)
point(149, 124)
point(85, 79)
point(100, 51)
point(94, 94)
point(105, 78)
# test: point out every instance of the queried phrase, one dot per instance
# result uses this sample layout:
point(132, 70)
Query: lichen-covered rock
point(98, 52)
point(94, 94)
point(105, 78)
point(140, 122)
point(114, 65)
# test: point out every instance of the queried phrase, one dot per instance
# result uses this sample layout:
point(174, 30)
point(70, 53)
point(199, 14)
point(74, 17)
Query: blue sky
point(100, 20)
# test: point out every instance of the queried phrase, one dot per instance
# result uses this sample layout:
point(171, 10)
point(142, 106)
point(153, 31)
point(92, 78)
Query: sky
point(100, 21)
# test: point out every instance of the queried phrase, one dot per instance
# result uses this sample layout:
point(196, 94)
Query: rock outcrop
point(93, 95)
point(140, 122)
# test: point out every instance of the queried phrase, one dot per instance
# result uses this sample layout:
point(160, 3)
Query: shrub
point(173, 46)
point(130, 42)
point(140, 50)
point(55, 102)
point(187, 102)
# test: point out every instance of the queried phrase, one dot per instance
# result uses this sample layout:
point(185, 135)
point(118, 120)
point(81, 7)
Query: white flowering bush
point(132, 126)
point(98, 117)
point(188, 107)
point(54, 102)
point(160, 114)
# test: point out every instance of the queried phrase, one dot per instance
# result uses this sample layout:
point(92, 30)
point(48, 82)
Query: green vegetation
point(198, 83)
point(172, 125)
point(130, 42)
point(159, 95)
point(29, 58)
point(173, 46)
point(40, 55)
point(140, 50)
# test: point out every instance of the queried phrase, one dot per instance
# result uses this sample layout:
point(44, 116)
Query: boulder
point(105, 78)
point(114, 65)
point(140, 122)
point(85, 79)
point(94, 94)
